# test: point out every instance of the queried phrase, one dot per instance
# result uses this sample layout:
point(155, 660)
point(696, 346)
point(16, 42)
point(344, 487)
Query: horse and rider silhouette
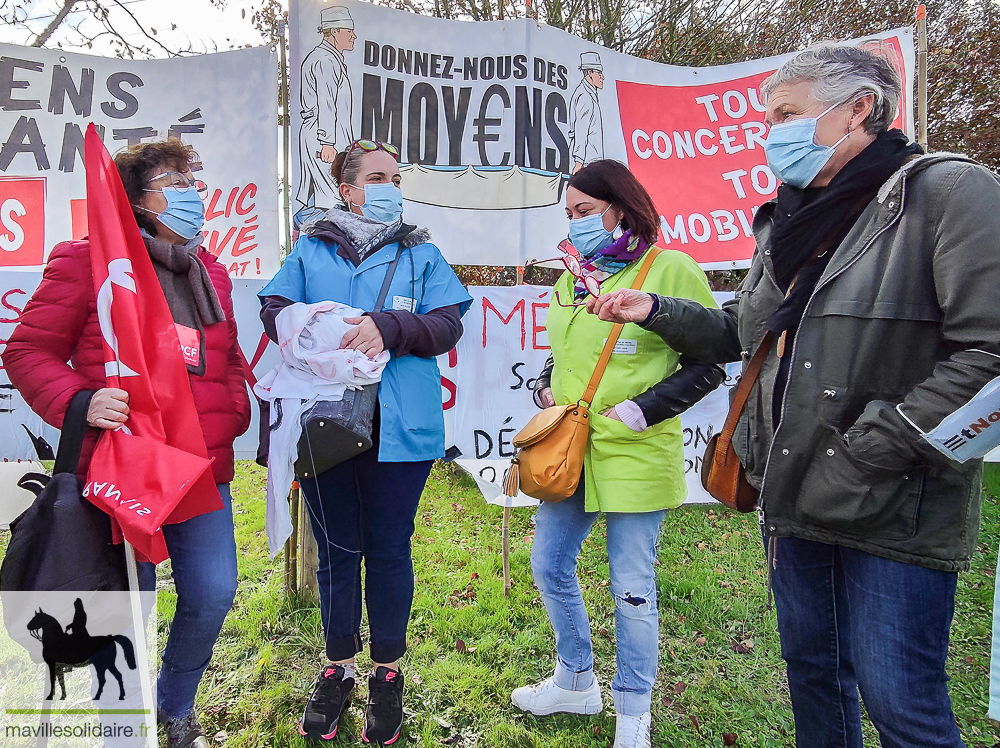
point(64, 651)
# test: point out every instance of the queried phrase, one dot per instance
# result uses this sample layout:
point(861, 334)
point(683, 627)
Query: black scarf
point(806, 218)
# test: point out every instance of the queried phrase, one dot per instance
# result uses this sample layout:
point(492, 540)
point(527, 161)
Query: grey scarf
point(363, 233)
point(189, 291)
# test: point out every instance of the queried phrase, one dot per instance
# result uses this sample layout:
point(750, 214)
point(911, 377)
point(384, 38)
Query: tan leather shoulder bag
point(722, 473)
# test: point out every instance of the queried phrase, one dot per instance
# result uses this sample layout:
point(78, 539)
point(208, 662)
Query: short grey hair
point(842, 74)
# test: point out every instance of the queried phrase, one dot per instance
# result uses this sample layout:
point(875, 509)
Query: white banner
point(488, 388)
point(224, 105)
point(491, 119)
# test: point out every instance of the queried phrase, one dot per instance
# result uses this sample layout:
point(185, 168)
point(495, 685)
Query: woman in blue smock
point(365, 507)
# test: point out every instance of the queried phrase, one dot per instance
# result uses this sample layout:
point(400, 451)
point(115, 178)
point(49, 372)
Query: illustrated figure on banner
point(327, 113)
point(586, 129)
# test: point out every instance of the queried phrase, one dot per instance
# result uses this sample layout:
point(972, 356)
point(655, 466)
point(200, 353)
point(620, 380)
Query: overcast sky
point(199, 23)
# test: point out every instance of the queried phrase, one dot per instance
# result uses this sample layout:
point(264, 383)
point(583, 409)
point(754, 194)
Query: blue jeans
point(560, 530)
point(852, 622)
point(363, 508)
point(203, 559)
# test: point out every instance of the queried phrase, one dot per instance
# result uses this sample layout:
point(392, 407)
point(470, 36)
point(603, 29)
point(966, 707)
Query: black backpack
point(62, 541)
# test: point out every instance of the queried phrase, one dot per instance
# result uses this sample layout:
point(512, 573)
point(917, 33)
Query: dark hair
point(137, 163)
point(348, 174)
point(612, 182)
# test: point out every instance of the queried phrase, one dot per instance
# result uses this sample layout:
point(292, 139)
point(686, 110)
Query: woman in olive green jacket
point(634, 467)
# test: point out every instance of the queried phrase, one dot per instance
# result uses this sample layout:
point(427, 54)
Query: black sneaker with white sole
point(329, 699)
point(384, 716)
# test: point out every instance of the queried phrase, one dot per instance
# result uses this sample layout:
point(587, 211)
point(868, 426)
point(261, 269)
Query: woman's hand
point(365, 337)
point(624, 305)
point(108, 408)
point(546, 398)
point(612, 414)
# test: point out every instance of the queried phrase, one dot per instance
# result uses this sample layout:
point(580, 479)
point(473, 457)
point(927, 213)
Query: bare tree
point(56, 22)
point(964, 69)
point(80, 24)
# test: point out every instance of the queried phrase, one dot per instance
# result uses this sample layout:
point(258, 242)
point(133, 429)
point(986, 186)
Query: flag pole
point(141, 652)
point(922, 75)
point(285, 139)
point(138, 624)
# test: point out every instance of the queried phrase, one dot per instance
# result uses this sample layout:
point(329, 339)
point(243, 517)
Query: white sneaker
point(548, 698)
point(633, 732)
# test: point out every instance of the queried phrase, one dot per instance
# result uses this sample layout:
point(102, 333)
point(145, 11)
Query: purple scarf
point(612, 259)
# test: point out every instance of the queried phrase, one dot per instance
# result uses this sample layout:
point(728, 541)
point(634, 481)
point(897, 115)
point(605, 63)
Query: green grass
point(712, 596)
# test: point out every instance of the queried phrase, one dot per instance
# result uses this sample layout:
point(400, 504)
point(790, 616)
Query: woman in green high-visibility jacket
point(634, 467)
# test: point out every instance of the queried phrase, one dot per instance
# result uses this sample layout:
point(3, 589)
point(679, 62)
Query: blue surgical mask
point(185, 212)
point(383, 202)
point(792, 151)
point(588, 234)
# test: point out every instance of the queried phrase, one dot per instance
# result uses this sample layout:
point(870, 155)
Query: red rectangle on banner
point(699, 150)
point(22, 221)
point(78, 214)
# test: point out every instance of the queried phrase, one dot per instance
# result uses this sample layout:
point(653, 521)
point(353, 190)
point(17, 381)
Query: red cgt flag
point(154, 471)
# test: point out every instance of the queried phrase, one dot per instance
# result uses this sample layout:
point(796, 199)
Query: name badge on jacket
point(404, 303)
point(627, 347)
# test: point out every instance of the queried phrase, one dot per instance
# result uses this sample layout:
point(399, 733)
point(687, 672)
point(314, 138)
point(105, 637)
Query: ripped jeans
point(560, 530)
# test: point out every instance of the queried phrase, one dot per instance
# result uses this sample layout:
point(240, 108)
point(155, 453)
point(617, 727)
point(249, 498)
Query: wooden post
point(309, 557)
point(505, 550)
point(505, 529)
point(922, 75)
point(292, 544)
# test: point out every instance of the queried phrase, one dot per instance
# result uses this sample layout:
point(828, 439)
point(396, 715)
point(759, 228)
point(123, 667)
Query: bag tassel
point(511, 480)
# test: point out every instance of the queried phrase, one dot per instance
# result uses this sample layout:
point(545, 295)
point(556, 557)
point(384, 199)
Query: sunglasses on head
point(571, 261)
point(369, 146)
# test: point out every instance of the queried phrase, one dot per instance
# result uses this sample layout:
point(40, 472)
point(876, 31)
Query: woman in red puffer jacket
point(57, 350)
